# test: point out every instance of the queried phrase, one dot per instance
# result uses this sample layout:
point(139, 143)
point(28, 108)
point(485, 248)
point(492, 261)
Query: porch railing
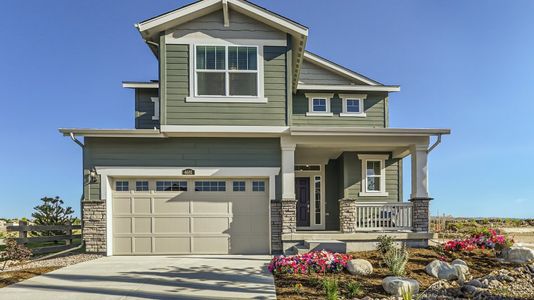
point(383, 216)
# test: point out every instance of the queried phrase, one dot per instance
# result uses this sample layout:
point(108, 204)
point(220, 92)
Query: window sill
point(371, 194)
point(319, 114)
point(354, 115)
point(226, 99)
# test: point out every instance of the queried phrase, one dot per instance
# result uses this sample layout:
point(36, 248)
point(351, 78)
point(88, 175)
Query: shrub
point(330, 287)
point(385, 244)
point(407, 294)
point(396, 260)
point(312, 262)
point(15, 252)
point(354, 289)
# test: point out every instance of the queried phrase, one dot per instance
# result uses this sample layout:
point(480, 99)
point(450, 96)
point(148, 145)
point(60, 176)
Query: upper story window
point(373, 175)
point(353, 105)
point(319, 104)
point(232, 72)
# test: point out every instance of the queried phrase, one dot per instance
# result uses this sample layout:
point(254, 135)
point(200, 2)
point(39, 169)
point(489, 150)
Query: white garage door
point(190, 216)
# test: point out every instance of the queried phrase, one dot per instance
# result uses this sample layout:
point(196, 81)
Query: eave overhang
point(140, 85)
point(355, 88)
point(91, 132)
point(361, 131)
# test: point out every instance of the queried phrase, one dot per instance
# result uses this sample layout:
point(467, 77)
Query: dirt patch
point(310, 286)
point(11, 277)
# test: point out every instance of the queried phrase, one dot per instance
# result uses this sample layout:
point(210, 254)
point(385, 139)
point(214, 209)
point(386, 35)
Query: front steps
point(318, 245)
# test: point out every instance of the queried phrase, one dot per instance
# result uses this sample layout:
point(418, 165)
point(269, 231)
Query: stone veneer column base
point(94, 226)
point(347, 215)
point(289, 215)
point(421, 214)
point(276, 227)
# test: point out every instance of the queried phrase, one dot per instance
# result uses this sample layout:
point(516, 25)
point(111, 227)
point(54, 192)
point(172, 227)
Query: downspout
point(73, 137)
point(152, 43)
point(438, 141)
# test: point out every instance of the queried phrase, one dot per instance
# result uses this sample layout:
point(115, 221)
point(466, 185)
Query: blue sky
point(464, 65)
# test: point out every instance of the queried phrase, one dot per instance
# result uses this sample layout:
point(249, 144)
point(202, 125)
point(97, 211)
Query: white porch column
point(288, 171)
point(419, 171)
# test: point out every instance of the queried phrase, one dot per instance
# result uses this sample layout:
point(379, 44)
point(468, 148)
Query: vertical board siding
point(144, 108)
point(180, 112)
point(374, 107)
point(178, 152)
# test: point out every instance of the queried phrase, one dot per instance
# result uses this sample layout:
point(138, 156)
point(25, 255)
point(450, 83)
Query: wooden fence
point(67, 237)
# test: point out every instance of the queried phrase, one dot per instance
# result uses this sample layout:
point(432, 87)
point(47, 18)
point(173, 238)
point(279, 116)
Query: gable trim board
point(358, 88)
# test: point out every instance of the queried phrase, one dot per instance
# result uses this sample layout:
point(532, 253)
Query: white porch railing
point(383, 216)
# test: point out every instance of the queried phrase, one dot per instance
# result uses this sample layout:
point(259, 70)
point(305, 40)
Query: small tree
point(52, 212)
point(15, 252)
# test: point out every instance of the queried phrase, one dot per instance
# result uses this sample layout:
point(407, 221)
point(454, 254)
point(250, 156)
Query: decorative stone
point(443, 270)
point(519, 255)
point(397, 285)
point(475, 283)
point(360, 267)
point(469, 290)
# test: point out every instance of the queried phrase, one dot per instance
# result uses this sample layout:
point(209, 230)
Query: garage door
point(193, 216)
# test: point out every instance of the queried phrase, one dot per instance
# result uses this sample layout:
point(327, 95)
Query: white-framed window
point(226, 73)
point(373, 175)
point(353, 105)
point(319, 104)
point(122, 186)
point(238, 186)
point(210, 186)
point(171, 186)
point(141, 186)
point(317, 198)
point(258, 186)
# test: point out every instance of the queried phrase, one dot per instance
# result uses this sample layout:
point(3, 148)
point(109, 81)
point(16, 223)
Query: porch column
point(419, 196)
point(289, 203)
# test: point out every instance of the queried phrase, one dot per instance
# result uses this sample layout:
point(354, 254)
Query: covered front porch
point(347, 186)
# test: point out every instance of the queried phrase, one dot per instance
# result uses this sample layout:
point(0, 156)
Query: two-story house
point(249, 144)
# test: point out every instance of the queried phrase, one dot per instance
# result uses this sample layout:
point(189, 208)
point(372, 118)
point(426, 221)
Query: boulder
point(444, 270)
point(519, 254)
point(397, 285)
point(360, 267)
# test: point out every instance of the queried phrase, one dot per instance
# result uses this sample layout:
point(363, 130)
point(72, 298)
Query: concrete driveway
point(153, 277)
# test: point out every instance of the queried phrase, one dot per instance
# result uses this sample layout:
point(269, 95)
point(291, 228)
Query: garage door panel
point(251, 244)
point(172, 224)
point(209, 206)
point(170, 206)
point(122, 225)
point(210, 225)
point(142, 205)
point(142, 225)
point(210, 245)
point(122, 205)
point(122, 245)
point(143, 244)
point(172, 245)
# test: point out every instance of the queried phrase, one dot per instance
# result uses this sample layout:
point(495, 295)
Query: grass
point(311, 284)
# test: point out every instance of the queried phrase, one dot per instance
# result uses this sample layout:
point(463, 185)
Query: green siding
point(179, 152)
point(180, 112)
point(374, 106)
point(332, 195)
point(144, 108)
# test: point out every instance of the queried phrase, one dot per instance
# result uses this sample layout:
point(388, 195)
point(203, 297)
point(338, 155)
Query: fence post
point(22, 233)
point(69, 233)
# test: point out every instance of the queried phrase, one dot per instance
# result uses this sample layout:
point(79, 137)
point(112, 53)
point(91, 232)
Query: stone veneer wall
point(421, 214)
point(347, 215)
point(289, 215)
point(94, 226)
point(276, 226)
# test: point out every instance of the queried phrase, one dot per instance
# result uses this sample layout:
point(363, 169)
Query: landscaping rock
point(360, 267)
point(396, 285)
point(469, 290)
point(519, 254)
point(444, 270)
point(475, 283)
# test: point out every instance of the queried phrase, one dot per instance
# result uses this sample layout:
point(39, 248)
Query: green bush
point(330, 286)
point(354, 289)
point(396, 260)
point(385, 244)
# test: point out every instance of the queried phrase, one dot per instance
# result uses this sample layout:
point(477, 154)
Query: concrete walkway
point(153, 277)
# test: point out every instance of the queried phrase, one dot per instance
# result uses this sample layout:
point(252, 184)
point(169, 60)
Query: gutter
point(438, 141)
point(73, 137)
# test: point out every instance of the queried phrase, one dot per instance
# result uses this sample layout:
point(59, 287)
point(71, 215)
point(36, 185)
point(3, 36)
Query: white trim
point(336, 68)
point(356, 88)
point(226, 16)
point(373, 157)
point(107, 173)
point(362, 131)
point(311, 175)
point(360, 98)
point(140, 85)
point(223, 129)
point(155, 100)
point(226, 99)
point(319, 114)
point(320, 96)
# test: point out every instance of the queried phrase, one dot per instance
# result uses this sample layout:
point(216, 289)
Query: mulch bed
point(310, 287)
point(11, 277)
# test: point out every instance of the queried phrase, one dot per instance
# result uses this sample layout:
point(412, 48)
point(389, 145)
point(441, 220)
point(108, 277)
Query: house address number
point(188, 172)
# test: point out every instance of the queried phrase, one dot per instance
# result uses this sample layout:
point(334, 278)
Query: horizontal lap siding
point(180, 112)
point(178, 152)
point(374, 106)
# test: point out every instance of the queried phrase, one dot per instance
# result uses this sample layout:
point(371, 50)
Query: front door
point(302, 192)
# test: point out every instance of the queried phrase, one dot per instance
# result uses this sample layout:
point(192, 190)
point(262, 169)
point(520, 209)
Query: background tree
point(52, 212)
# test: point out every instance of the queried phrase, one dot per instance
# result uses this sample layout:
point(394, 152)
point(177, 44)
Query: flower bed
point(484, 239)
point(312, 262)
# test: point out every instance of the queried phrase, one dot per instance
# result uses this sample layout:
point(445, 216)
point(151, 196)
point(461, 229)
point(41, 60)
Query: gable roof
point(151, 28)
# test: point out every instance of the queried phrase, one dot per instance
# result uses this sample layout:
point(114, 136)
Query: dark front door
point(302, 192)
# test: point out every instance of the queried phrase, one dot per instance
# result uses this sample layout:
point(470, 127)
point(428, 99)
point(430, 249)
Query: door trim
point(311, 175)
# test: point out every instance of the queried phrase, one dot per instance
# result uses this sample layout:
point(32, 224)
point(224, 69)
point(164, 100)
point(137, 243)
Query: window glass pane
point(232, 58)
point(243, 84)
point(319, 105)
point(201, 57)
point(220, 58)
point(171, 186)
point(373, 184)
point(353, 106)
point(252, 58)
point(239, 186)
point(258, 186)
point(121, 186)
point(210, 186)
point(373, 168)
point(141, 186)
point(242, 58)
point(317, 199)
point(210, 58)
point(211, 84)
